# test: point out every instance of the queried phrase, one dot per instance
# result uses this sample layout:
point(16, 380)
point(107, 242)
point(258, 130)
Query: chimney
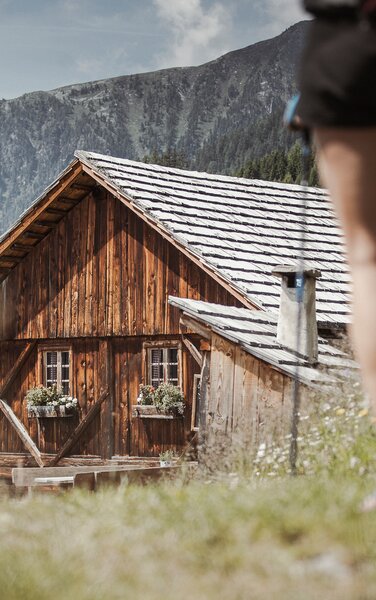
point(298, 288)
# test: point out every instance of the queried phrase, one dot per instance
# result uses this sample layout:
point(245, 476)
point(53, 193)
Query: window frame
point(59, 348)
point(161, 345)
point(195, 420)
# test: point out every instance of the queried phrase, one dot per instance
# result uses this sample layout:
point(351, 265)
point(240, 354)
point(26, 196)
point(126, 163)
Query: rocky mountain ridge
point(191, 109)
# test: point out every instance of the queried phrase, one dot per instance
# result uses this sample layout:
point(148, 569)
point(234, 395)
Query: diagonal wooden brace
point(21, 432)
point(16, 368)
point(81, 427)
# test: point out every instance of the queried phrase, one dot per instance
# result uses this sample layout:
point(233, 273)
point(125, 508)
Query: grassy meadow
point(241, 528)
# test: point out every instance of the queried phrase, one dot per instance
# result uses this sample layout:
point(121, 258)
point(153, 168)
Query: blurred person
point(337, 103)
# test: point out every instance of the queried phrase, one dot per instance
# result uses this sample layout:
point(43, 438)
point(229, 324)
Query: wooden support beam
point(82, 186)
point(42, 229)
point(12, 258)
point(195, 326)
point(68, 201)
point(81, 427)
point(21, 432)
point(21, 247)
point(56, 211)
point(44, 224)
point(193, 350)
point(7, 264)
point(32, 235)
point(16, 368)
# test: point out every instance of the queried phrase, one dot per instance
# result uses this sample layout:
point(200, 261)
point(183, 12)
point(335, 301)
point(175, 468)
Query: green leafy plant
point(146, 395)
point(50, 396)
point(167, 398)
point(167, 457)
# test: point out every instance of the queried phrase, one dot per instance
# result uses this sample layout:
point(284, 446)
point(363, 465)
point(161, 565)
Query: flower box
point(148, 411)
point(46, 402)
point(46, 412)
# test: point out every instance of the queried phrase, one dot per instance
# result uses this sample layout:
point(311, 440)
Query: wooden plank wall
point(113, 431)
point(52, 432)
point(149, 437)
point(9, 352)
point(101, 272)
point(247, 396)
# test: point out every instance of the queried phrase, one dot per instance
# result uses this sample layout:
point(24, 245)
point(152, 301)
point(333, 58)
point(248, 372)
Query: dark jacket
point(317, 7)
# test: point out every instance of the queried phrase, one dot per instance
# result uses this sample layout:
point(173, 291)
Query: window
point(57, 369)
point(163, 364)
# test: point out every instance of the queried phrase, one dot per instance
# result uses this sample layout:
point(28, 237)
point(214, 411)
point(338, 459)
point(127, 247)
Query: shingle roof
point(240, 228)
point(256, 332)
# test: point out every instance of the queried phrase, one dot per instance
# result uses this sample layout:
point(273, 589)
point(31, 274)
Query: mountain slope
point(239, 94)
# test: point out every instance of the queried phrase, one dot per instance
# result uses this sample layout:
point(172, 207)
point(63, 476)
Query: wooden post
point(204, 395)
point(107, 377)
point(193, 350)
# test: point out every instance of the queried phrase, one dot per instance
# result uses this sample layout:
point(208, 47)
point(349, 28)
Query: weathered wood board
point(26, 476)
point(247, 395)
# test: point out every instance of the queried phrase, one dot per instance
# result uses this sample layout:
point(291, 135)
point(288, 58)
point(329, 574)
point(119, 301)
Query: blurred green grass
point(242, 528)
point(300, 538)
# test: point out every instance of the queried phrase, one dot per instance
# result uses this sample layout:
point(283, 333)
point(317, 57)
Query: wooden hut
point(247, 373)
point(85, 276)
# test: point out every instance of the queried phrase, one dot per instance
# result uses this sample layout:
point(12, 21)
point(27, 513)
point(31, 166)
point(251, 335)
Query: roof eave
point(47, 197)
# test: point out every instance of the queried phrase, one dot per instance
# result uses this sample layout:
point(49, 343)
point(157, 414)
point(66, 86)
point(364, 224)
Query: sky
point(46, 44)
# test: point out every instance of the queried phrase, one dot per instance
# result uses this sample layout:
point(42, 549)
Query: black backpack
point(334, 7)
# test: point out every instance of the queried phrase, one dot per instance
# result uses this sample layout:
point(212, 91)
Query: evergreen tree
point(280, 165)
point(295, 162)
point(170, 158)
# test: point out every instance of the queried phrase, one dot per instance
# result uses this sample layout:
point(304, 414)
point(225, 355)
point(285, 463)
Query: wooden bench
point(89, 477)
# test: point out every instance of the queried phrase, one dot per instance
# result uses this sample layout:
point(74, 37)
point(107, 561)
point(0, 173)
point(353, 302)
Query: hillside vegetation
point(279, 165)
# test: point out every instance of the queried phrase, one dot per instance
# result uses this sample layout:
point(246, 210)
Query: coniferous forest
point(283, 165)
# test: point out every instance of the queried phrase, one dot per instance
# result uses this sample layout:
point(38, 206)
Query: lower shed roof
point(256, 332)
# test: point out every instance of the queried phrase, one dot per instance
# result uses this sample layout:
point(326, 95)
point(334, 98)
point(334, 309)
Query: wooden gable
point(96, 270)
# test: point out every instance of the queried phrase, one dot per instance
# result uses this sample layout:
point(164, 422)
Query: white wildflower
point(261, 451)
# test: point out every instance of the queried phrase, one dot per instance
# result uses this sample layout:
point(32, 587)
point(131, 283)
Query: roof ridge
point(242, 181)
